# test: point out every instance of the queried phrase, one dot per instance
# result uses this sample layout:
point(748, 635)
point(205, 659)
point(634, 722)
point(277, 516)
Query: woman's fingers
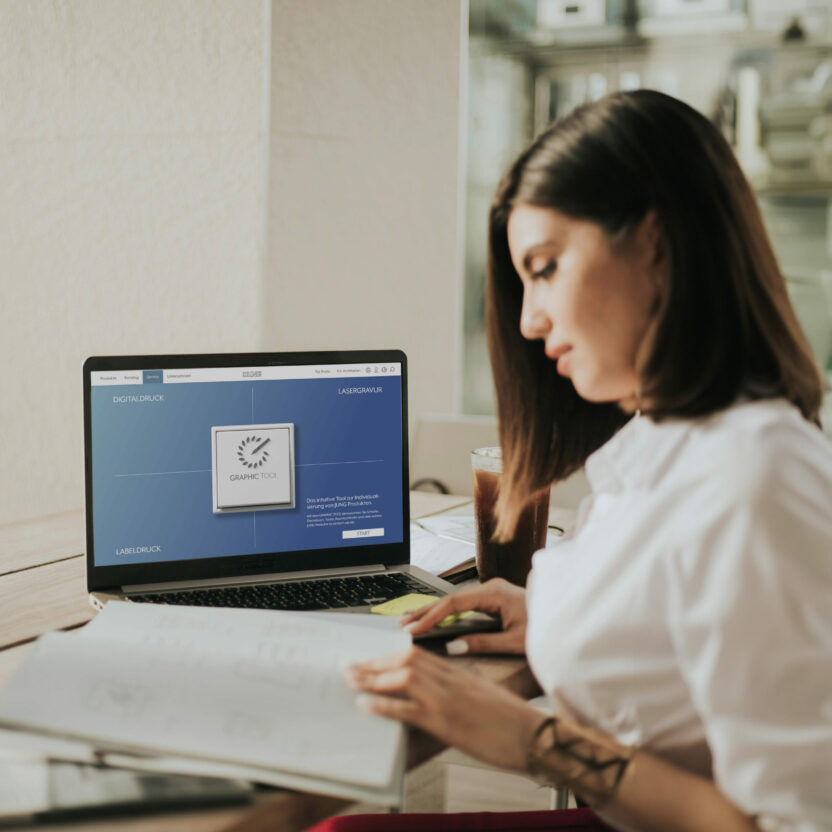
point(388, 662)
point(458, 707)
point(404, 710)
point(415, 615)
point(414, 659)
point(505, 642)
point(432, 615)
point(396, 680)
point(485, 598)
point(442, 606)
point(448, 602)
point(397, 686)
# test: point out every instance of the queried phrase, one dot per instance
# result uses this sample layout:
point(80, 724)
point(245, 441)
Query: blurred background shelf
point(761, 70)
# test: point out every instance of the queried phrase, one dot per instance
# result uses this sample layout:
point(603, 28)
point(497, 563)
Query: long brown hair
point(724, 327)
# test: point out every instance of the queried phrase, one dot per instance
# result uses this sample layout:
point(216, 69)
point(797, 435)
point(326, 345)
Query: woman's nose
point(534, 322)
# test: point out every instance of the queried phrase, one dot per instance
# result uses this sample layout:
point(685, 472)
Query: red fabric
point(563, 820)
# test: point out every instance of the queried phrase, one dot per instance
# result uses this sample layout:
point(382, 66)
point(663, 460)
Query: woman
point(638, 324)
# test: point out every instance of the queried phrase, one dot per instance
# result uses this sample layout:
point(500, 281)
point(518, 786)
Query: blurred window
point(750, 66)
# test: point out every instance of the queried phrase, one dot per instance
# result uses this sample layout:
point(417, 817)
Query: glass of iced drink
point(511, 560)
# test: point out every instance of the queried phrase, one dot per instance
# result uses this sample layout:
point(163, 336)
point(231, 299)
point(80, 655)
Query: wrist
point(525, 723)
point(579, 758)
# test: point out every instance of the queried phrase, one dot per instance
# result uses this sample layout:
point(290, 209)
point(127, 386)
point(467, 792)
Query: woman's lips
point(560, 354)
point(557, 351)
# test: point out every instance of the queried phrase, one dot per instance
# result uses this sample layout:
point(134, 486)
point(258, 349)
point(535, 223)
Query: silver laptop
point(274, 480)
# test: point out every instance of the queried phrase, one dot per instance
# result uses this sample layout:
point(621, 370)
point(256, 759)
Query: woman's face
point(588, 298)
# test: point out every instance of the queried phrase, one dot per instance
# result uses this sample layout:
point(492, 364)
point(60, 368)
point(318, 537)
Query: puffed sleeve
point(749, 603)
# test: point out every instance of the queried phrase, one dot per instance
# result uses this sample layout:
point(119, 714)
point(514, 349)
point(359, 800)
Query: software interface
point(211, 462)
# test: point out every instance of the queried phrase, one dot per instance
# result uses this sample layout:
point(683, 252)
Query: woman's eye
point(547, 271)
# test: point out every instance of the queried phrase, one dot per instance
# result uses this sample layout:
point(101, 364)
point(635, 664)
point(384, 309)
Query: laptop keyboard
point(320, 594)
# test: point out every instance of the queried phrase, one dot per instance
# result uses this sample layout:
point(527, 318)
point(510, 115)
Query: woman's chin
point(585, 387)
point(588, 393)
point(591, 390)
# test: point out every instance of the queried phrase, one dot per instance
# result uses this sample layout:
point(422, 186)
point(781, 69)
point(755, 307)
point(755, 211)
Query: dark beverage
point(511, 560)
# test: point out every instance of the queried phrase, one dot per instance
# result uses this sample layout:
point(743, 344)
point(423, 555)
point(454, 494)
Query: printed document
point(261, 691)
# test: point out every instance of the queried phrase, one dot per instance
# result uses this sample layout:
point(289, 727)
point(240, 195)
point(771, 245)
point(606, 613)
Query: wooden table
point(43, 587)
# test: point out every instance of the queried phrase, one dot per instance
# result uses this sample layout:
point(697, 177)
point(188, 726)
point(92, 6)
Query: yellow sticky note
point(414, 601)
point(406, 603)
point(454, 617)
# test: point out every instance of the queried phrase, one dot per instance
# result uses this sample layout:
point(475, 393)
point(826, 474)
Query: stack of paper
point(445, 543)
point(252, 694)
point(436, 553)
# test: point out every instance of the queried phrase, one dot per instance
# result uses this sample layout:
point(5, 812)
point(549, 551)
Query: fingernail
point(412, 626)
point(456, 647)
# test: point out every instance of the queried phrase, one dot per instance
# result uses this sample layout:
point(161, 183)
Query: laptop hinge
point(241, 580)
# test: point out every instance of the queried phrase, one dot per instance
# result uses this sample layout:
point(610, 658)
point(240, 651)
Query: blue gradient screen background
point(151, 465)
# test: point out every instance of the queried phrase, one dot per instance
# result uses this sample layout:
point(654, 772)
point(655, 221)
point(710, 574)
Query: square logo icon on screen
point(253, 467)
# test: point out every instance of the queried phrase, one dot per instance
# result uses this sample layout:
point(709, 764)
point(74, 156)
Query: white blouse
point(690, 612)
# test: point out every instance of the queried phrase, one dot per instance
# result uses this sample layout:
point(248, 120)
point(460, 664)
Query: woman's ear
point(652, 249)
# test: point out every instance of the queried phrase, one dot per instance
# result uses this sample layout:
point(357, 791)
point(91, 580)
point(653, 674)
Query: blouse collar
point(638, 456)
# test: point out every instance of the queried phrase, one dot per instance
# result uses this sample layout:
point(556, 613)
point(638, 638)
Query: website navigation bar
point(211, 374)
point(116, 378)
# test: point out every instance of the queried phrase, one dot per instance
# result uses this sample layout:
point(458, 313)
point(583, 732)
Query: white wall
point(131, 207)
point(364, 195)
point(134, 148)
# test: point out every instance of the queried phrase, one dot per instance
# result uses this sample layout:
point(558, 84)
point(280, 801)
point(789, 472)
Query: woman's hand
point(497, 597)
point(455, 705)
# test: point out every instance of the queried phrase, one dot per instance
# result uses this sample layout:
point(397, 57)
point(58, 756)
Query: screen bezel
point(102, 578)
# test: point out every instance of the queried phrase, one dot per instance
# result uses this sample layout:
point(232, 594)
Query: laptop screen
point(205, 462)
